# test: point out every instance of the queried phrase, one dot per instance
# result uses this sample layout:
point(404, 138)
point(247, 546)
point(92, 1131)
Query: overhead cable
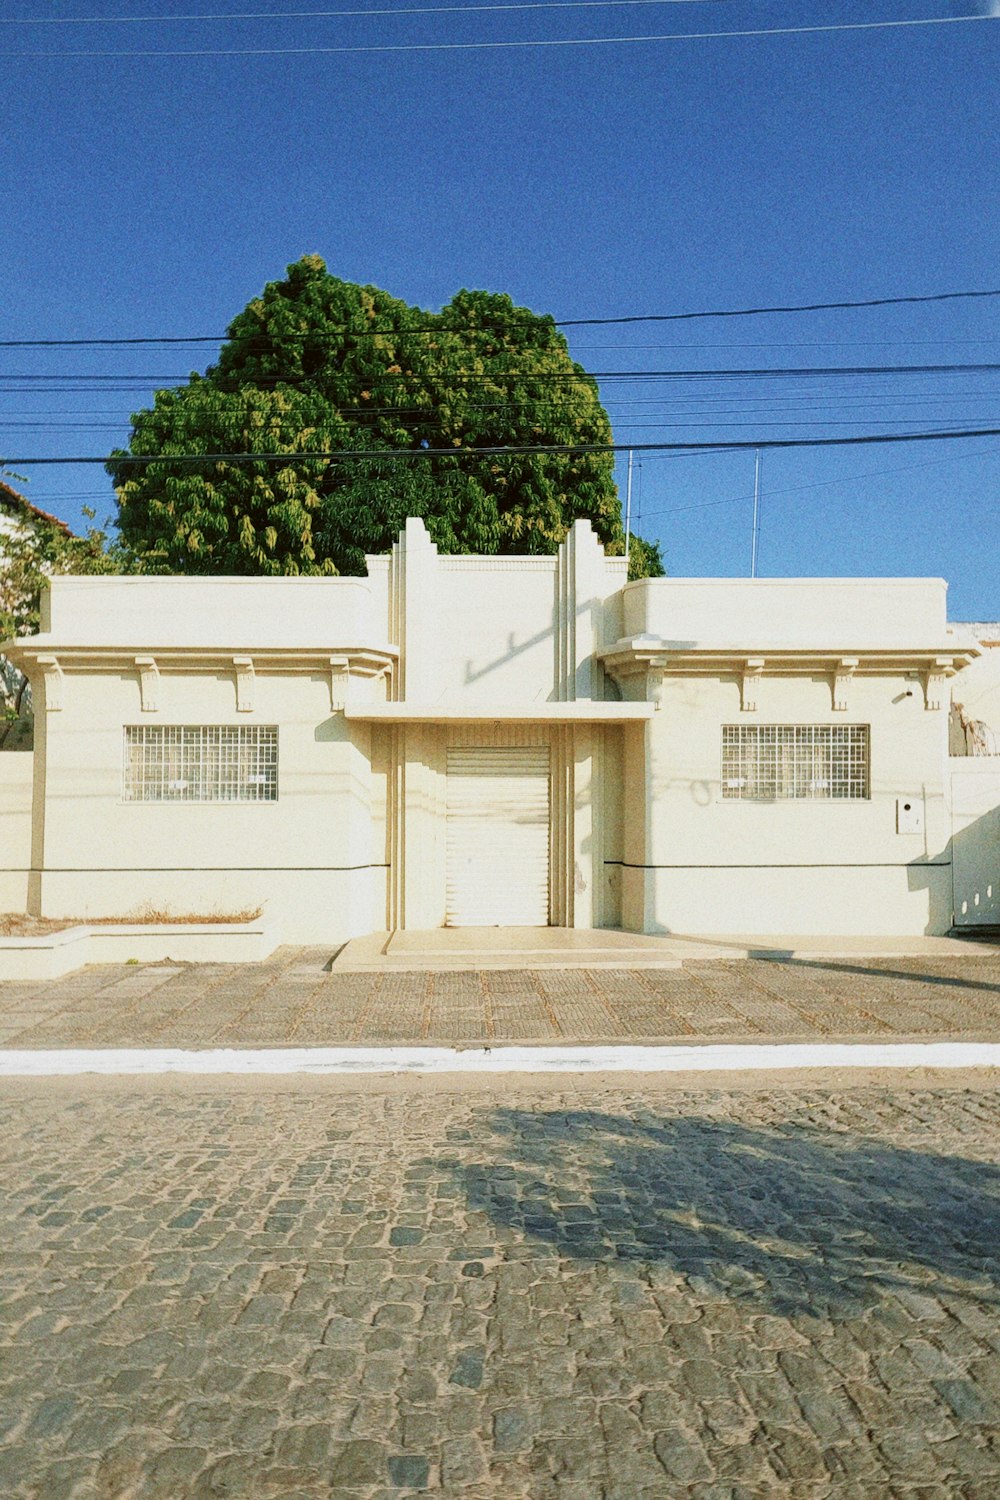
point(678, 317)
point(332, 15)
point(580, 41)
point(378, 455)
point(437, 382)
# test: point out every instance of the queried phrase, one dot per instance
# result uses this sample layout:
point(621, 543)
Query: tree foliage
point(319, 365)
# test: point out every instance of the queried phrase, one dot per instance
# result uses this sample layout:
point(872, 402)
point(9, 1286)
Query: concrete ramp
point(469, 948)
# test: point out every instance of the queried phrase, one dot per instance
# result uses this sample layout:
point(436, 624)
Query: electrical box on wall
point(909, 814)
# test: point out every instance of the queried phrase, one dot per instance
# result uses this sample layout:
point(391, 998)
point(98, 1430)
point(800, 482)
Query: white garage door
point(498, 837)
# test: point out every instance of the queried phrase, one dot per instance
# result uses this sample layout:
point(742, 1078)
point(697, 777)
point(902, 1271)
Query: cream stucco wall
point(371, 681)
point(711, 864)
point(494, 630)
point(311, 857)
point(248, 613)
point(16, 778)
point(796, 612)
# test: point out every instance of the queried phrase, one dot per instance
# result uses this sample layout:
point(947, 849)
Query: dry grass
point(17, 924)
point(12, 924)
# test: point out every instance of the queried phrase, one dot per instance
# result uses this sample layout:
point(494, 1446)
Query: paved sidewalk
point(511, 1294)
point(294, 999)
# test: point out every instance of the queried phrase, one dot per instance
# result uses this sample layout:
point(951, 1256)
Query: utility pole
point(628, 510)
point(756, 515)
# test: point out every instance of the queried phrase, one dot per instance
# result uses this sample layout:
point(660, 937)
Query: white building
point(501, 740)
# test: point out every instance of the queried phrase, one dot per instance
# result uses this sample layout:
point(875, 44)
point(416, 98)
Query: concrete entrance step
point(608, 948)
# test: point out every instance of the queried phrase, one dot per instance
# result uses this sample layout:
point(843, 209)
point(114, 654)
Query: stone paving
point(584, 1293)
point(294, 999)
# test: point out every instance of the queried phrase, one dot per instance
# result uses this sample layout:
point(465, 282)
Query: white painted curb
point(66, 1062)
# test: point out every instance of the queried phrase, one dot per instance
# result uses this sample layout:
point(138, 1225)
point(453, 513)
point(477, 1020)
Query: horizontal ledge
point(843, 864)
point(210, 656)
point(479, 713)
point(197, 869)
point(694, 1057)
point(681, 656)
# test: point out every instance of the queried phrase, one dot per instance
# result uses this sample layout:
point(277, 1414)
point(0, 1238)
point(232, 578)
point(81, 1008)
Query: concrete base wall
point(834, 901)
point(55, 954)
point(310, 906)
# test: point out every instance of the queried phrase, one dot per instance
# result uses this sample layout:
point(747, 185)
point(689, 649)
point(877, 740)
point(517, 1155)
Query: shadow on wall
point(969, 896)
point(793, 1219)
point(975, 857)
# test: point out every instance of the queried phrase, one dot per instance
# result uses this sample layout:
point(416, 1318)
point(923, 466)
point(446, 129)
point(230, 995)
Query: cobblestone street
point(591, 1293)
point(293, 998)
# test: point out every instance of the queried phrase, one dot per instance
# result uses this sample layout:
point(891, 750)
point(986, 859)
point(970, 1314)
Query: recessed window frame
point(200, 764)
point(827, 763)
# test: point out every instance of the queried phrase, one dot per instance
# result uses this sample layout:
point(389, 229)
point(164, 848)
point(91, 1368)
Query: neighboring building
point(21, 519)
point(16, 512)
point(18, 517)
point(975, 719)
point(975, 782)
point(497, 741)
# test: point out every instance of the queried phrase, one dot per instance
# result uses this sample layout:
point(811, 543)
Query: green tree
point(319, 365)
point(32, 548)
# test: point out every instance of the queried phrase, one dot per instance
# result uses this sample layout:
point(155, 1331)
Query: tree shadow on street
point(796, 1217)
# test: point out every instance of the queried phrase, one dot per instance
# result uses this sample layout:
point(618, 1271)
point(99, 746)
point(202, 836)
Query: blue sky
point(156, 195)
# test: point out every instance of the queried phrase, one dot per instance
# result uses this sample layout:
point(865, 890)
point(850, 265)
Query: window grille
point(767, 762)
point(201, 763)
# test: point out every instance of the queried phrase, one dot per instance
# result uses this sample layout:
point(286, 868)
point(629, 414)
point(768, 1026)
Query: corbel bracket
point(340, 679)
point(53, 674)
point(842, 674)
point(656, 670)
point(245, 684)
point(753, 671)
point(149, 683)
point(935, 689)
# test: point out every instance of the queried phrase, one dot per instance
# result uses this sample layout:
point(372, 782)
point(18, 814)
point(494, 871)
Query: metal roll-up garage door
point(498, 837)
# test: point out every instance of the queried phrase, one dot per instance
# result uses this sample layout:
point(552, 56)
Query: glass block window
point(201, 763)
point(768, 762)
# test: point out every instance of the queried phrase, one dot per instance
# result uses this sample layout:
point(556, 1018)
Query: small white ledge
point(579, 712)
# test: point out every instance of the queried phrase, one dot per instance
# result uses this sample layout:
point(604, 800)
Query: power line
point(794, 307)
point(677, 403)
point(706, 400)
point(327, 15)
point(582, 41)
point(437, 382)
point(680, 317)
point(515, 450)
point(709, 419)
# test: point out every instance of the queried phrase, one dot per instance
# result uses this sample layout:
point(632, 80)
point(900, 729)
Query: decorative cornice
point(364, 660)
point(634, 655)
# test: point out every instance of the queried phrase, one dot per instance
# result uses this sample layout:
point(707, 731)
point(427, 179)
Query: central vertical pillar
point(417, 812)
point(588, 585)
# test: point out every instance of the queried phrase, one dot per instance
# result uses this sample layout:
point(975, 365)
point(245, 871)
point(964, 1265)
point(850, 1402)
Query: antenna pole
point(628, 510)
point(755, 533)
